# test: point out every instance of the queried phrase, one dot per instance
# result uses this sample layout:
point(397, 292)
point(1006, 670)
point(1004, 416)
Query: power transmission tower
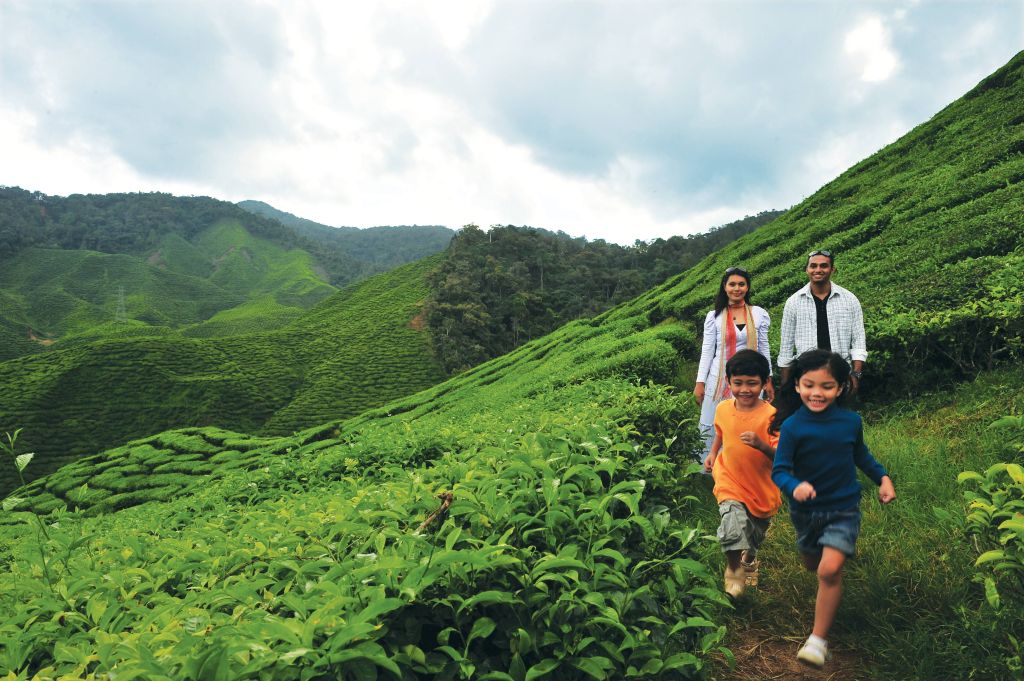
point(121, 315)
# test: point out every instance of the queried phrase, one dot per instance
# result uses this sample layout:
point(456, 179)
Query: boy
point(741, 463)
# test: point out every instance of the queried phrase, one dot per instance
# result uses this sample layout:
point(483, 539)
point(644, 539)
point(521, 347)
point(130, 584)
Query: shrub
point(996, 518)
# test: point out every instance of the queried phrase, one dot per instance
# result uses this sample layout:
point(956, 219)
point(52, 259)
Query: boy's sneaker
point(734, 582)
point(813, 653)
point(750, 571)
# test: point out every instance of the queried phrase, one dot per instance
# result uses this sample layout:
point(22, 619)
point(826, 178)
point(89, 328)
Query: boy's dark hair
point(748, 363)
point(788, 401)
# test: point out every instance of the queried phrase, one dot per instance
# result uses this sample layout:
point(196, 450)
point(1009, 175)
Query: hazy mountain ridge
point(373, 249)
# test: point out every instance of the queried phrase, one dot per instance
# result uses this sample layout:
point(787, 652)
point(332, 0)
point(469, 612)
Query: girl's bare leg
point(830, 589)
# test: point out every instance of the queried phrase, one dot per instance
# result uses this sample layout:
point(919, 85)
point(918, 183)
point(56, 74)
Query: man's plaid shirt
point(800, 325)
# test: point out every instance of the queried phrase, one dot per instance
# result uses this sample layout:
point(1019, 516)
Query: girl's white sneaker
point(813, 654)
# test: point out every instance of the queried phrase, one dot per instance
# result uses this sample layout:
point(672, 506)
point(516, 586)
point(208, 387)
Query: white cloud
point(599, 118)
point(837, 151)
point(870, 45)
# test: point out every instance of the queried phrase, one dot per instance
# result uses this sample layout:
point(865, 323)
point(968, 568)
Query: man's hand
point(769, 391)
point(698, 392)
point(854, 384)
point(804, 492)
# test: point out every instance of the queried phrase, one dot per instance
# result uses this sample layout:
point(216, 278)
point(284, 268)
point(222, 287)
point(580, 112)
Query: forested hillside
point(533, 517)
point(376, 249)
point(84, 267)
point(500, 289)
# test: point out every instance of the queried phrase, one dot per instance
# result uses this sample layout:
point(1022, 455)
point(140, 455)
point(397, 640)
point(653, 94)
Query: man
point(823, 315)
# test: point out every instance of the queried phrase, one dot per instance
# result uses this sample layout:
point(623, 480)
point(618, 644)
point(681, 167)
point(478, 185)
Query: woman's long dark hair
point(787, 400)
point(722, 300)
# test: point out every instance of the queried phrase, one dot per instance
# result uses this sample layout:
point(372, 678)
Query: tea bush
point(995, 516)
point(564, 551)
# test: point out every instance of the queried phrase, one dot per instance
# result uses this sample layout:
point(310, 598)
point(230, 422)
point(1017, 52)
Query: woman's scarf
point(727, 347)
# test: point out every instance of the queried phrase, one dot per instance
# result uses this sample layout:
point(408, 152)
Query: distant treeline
point(136, 223)
point(375, 249)
point(501, 288)
point(117, 223)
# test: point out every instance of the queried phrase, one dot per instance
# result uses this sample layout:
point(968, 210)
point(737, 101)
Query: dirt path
point(761, 655)
point(41, 341)
point(771, 621)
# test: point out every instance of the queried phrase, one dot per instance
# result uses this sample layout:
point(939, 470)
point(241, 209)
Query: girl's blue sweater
point(825, 449)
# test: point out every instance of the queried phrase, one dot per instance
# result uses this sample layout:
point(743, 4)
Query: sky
point(610, 120)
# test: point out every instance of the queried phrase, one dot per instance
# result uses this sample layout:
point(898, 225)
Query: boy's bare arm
point(716, 445)
point(752, 439)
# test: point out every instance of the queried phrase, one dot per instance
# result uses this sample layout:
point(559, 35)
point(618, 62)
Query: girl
point(821, 445)
point(732, 325)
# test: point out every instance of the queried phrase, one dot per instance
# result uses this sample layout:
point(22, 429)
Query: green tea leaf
point(596, 666)
point(489, 598)
point(482, 628)
point(989, 556)
point(21, 461)
point(992, 593)
point(542, 668)
point(10, 503)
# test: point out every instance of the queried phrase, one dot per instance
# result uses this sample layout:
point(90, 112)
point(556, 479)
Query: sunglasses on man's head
point(737, 270)
point(827, 254)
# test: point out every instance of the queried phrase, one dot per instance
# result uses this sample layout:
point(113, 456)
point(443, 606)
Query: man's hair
point(748, 363)
point(826, 254)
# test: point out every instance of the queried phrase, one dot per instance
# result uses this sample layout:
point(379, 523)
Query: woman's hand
point(698, 392)
point(804, 492)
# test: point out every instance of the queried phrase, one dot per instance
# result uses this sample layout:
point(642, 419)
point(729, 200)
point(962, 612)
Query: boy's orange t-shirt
point(741, 472)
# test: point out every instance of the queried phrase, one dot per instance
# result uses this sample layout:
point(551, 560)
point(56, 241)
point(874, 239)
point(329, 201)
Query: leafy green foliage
point(63, 297)
point(563, 549)
point(995, 516)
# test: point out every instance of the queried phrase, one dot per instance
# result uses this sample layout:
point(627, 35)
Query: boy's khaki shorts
point(738, 530)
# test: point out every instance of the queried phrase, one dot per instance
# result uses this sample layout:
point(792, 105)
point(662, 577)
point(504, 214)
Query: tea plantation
point(536, 516)
point(355, 350)
point(204, 288)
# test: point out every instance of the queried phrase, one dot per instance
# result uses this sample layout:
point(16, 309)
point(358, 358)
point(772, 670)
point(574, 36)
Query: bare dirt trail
point(771, 621)
point(761, 655)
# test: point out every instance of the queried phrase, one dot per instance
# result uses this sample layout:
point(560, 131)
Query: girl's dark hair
point(787, 400)
point(721, 299)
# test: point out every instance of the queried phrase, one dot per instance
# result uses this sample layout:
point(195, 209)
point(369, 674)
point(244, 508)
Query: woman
point(734, 324)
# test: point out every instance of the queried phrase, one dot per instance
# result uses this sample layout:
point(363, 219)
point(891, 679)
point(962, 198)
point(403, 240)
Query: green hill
point(69, 296)
point(374, 249)
point(355, 350)
point(568, 540)
point(192, 264)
